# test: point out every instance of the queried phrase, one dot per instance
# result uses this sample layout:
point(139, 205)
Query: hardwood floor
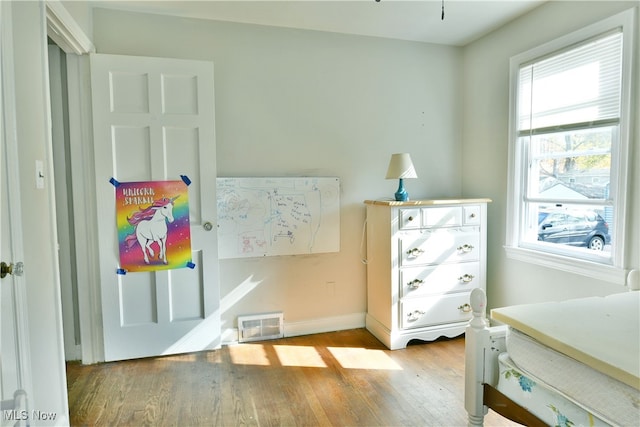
point(345, 378)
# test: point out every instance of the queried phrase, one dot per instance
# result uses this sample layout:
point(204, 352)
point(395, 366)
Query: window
point(569, 145)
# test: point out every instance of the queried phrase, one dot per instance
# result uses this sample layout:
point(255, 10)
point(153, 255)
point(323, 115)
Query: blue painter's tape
point(186, 179)
point(191, 265)
point(114, 182)
point(121, 271)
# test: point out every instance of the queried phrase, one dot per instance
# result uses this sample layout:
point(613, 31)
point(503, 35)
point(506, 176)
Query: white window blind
point(574, 88)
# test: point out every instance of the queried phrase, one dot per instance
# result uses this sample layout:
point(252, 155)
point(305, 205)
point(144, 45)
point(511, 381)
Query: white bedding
point(607, 398)
point(601, 332)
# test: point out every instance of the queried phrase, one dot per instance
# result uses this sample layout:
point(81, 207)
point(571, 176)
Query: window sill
point(594, 270)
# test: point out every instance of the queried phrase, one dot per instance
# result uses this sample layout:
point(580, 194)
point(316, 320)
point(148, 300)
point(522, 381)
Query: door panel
point(132, 146)
point(182, 145)
point(186, 293)
point(154, 120)
point(138, 295)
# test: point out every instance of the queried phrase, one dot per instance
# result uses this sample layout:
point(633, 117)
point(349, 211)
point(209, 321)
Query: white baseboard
point(73, 353)
point(308, 327)
point(326, 324)
point(229, 336)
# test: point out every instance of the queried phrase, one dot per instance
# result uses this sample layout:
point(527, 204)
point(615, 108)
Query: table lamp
point(401, 167)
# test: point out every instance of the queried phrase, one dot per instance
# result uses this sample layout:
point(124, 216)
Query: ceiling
point(464, 20)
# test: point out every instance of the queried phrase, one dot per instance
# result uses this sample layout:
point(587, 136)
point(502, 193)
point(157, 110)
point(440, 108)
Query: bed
point(568, 363)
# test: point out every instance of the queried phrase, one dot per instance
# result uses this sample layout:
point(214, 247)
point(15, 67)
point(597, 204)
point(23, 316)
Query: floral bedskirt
point(540, 399)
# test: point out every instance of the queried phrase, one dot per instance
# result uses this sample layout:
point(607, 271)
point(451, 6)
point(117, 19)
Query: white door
point(154, 120)
point(12, 385)
point(15, 374)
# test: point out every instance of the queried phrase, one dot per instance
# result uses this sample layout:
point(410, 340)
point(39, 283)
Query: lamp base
point(401, 194)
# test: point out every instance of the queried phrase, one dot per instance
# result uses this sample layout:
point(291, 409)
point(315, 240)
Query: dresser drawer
point(445, 278)
point(450, 216)
point(409, 219)
point(419, 312)
point(440, 246)
point(471, 215)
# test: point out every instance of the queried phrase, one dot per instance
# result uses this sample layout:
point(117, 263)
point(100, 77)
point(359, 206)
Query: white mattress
point(601, 332)
point(542, 400)
point(609, 399)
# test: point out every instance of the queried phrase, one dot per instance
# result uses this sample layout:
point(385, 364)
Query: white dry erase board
point(278, 216)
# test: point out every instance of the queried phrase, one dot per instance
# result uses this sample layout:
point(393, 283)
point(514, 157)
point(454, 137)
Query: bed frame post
point(476, 336)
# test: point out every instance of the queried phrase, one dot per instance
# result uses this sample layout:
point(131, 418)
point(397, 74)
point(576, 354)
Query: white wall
point(40, 259)
point(485, 147)
point(293, 102)
point(81, 13)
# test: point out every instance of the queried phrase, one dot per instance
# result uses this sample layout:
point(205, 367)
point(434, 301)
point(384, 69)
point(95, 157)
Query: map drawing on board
point(278, 216)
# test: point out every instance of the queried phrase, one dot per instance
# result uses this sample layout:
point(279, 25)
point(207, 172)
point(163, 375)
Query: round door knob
point(5, 269)
point(15, 269)
point(207, 226)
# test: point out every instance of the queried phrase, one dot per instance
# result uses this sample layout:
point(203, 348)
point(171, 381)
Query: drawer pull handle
point(410, 218)
point(415, 283)
point(415, 252)
point(466, 308)
point(466, 248)
point(467, 278)
point(415, 315)
point(473, 215)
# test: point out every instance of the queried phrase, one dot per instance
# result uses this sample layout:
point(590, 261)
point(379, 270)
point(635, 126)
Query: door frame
point(69, 36)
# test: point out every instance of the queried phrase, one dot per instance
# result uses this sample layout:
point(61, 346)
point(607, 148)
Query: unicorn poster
point(153, 225)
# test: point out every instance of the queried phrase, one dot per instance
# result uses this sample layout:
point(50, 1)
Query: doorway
point(65, 220)
point(72, 153)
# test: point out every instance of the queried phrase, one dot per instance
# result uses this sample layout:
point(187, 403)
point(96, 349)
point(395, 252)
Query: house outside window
point(569, 150)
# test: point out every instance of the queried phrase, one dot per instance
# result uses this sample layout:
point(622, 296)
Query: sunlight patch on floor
point(249, 354)
point(362, 358)
point(295, 355)
point(310, 357)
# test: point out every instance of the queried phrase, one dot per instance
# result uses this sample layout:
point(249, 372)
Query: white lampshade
point(401, 166)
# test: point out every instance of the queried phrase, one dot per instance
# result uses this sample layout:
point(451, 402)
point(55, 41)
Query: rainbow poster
point(153, 225)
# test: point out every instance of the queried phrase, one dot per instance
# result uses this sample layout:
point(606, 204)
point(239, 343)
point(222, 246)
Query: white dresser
point(423, 259)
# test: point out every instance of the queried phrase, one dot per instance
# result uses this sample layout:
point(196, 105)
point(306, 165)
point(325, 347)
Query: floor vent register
point(260, 327)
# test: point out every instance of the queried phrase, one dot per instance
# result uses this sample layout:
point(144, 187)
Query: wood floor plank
point(333, 379)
